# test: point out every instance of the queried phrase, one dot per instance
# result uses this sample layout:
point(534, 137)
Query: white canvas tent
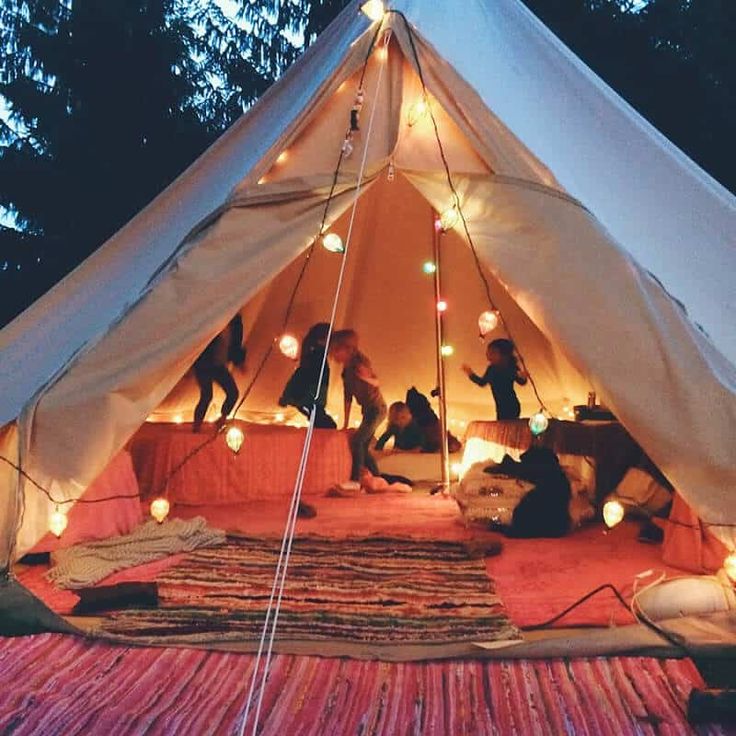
point(593, 229)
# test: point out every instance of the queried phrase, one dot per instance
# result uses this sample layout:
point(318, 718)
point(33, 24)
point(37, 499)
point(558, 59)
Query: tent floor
point(535, 579)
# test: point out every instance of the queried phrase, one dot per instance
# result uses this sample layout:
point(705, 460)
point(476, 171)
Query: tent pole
point(439, 337)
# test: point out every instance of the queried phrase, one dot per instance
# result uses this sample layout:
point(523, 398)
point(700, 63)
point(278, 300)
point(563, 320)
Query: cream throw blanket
point(84, 565)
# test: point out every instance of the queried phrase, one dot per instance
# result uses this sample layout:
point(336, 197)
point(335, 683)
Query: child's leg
point(225, 380)
point(372, 418)
point(204, 381)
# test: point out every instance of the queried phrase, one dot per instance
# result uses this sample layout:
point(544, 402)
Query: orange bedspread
point(265, 467)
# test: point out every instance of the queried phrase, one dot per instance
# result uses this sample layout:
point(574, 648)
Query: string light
point(613, 513)
point(234, 438)
point(178, 418)
point(487, 322)
point(374, 9)
point(447, 350)
point(538, 423)
point(429, 267)
point(279, 416)
point(441, 305)
point(160, 509)
point(282, 157)
point(347, 146)
point(289, 346)
point(417, 111)
point(382, 53)
point(729, 565)
point(57, 522)
point(449, 218)
point(456, 469)
point(333, 243)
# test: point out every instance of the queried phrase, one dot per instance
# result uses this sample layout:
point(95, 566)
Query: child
point(301, 389)
point(212, 367)
point(502, 372)
point(401, 426)
point(359, 382)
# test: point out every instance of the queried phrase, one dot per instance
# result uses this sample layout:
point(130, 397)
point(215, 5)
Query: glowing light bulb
point(333, 243)
point(160, 509)
point(382, 53)
point(417, 111)
point(282, 157)
point(487, 322)
point(441, 305)
point(429, 267)
point(57, 522)
point(178, 418)
point(449, 218)
point(289, 346)
point(613, 513)
point(447, 350)
point(538, 423)
point(280, 416)
point(456, 469)
point(729, 565)
point(234, 438)
point(374, 9)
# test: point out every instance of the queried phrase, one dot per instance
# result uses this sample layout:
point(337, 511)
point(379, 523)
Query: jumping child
point(360, 383)
point(502, 373)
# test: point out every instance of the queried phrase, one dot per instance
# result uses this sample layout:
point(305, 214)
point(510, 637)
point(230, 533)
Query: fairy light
point(374, 9)
point(382, 53)
point(282, 157)
point(487, 322)
point(333, 243)
point(280, 416)
point(178, 418)
point(429, 267)
point(729, 565)
point(613, 513)
point(289, 346)
point(234, 438)
point(57, 522)
point(449, 218)
point(417, 111)
point(456, 469)
point(160, 508)
point(441, 305)
point(446, 351)
point(538, 423)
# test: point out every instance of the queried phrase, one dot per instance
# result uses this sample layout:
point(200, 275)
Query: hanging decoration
point(441, 305)
point(613, 513)
point(355, 111)
point(289, 346)
point(729, 565)
point(538, 423)
point(347, 145)
point(57, 522)
point(391, 173)
point(487, 322)
point(429, 267)
point(417, 111)
point(448, 219)
point(160, 509)
point(374, 9)
point(333, 243)
point(234, 438)
point(447, 350)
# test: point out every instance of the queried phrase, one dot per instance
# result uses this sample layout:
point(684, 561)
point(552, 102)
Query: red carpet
point(57, 685)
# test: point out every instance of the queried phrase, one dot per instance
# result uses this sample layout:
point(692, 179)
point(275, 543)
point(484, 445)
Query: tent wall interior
point(551, 221)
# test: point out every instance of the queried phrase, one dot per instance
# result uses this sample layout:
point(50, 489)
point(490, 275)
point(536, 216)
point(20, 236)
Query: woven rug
point(383, 591)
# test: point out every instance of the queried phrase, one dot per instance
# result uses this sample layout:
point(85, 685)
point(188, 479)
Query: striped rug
point(376, 590)
point(63, 686)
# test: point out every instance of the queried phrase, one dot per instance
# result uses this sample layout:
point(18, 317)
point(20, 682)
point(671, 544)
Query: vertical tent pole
point(439, 335)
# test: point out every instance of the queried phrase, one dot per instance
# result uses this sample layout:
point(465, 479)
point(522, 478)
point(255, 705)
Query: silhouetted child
point(212, 367)
point(406, 432)
point(359, 383)
point(301, 389)
point(502, 373)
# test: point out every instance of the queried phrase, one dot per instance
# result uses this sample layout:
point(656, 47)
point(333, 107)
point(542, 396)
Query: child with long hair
point(359, 383)
point(502, 373)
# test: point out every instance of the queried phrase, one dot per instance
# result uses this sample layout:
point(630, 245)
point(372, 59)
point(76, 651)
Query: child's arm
point(385, 437)
point(521, 377)
point(476, 379)
point(364, 373)
point(348, 405)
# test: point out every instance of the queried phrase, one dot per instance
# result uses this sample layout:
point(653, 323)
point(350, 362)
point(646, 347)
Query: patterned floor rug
point(376, 590)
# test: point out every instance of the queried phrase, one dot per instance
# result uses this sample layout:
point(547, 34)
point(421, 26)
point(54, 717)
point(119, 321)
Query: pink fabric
point(88, 522)
point(688, 544)
point(265, 468)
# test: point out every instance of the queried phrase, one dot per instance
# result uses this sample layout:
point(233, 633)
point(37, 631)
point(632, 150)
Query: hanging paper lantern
point(57, 522)
point(613, 513)
point(234, 438)
point(729, 565)
point(347, 146)
point(441, 305)
point(374, 9)
point(289, 346)
point(447, 350)
point(333, 243)
point(449, 218)
point(429, 267)
point(160, 509)
point(538, 423)
point(417, 111)
point(487, 322)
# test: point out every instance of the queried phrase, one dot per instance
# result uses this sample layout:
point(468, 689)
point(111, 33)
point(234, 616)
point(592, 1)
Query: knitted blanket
point(84, 565)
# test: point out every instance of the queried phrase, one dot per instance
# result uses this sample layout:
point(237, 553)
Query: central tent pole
point(439, 336)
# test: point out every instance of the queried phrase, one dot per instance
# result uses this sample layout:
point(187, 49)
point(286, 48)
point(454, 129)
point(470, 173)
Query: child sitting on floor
point(360, 383)
point(502, 373)
point(301, 389)
point(406, 432)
